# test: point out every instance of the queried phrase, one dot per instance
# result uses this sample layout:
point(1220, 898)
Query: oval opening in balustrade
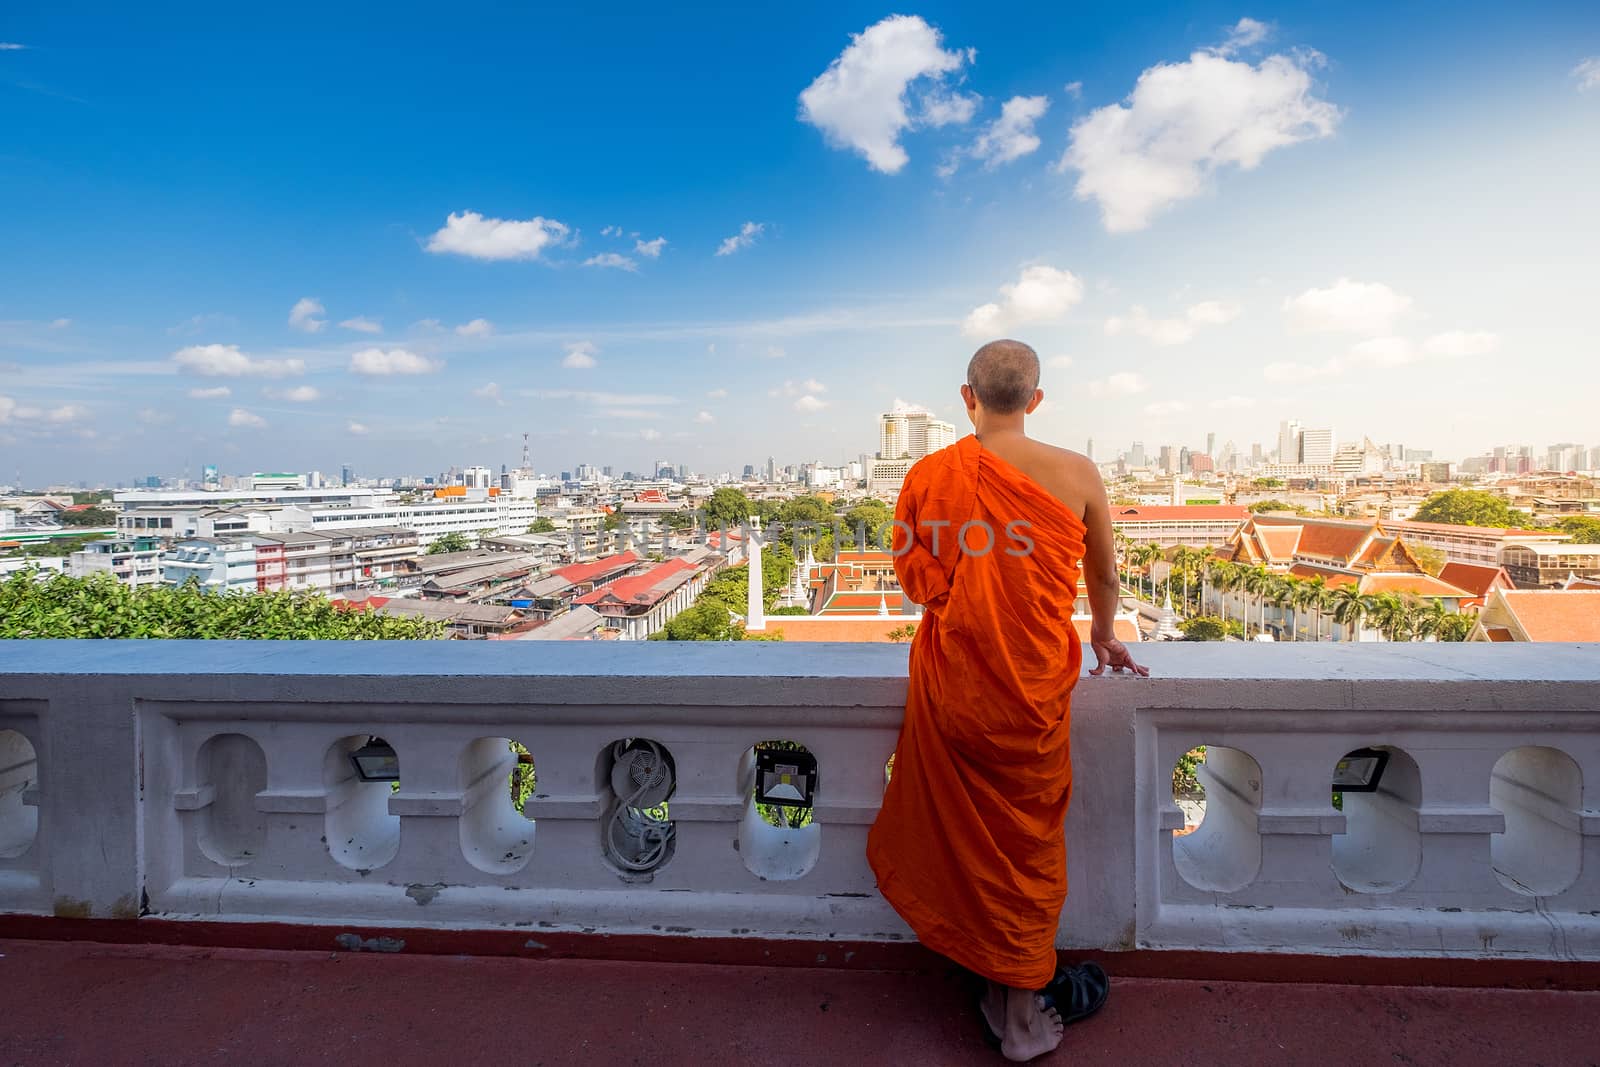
point(637, 835)
point(1540, 792)
point(1379, 789)
point(229, 829)
point(361, 833)
point(779, 836)
point(19, 774)
point(1219, 790)
point(497, 778)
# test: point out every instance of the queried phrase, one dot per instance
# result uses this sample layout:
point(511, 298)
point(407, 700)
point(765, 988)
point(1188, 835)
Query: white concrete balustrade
point(212, 780)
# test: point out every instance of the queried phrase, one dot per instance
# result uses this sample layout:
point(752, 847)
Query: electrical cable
point(653, 834)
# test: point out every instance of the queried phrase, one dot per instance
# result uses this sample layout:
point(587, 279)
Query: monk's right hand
point(1114, 654)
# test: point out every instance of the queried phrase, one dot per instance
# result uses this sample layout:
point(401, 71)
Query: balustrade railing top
point(216, 780)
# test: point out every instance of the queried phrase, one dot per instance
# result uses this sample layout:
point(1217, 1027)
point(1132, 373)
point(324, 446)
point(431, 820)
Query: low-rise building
point(1167, 525)
point(640, 604)
point(1546, 566)
point(1539, 615)
point(218, 565)
point(133, 561)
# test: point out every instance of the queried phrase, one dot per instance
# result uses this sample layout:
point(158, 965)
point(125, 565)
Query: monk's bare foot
point(1031, 1029)
point(993, 1006)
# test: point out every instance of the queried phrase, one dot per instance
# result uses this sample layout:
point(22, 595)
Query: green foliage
point(89, 517)
point(92, 496)
point(522, 778)
point(676, 520)
point(102, 607)
point(727, 507)
point(1268, 483)
point(1470, 507)
point(790, 609)
point(1270, 505)
point(1210, 628)
point(1585, 529)
point(450, 542)
point(1185, 782)
point(1428, 558)
point(613, 521)
point(707, 619)
point(60, 546)
point(541, 525)
point(904, 633)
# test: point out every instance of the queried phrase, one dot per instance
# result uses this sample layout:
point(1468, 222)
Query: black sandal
point(1075, 992)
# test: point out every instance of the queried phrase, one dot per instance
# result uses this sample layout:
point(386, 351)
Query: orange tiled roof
point(1476, 578)
point(1424, 585)
point(1555, 614)
point(1169, 512)
point(639, 589)
point(582, 572)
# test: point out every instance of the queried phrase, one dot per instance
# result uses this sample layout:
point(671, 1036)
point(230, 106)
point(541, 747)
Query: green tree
point(727, 507)
point(1584, 529)
point(1204, 628)
point(1349, 607)
point(101, 607)
point(88, 517)
point(1268, 483)
point(541, 525)
point(1430, 559)
point(675, 521)
point(707, 619)
point(1270, 505)
point(455, 541)
point(902, 634)
point(1470, 507)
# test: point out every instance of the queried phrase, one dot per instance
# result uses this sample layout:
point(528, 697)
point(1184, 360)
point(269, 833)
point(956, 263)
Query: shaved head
point(1005, 375)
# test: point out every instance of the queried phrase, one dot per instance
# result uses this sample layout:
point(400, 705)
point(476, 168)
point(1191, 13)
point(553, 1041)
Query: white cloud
point(627, 413)
point(226, 361)
point(859, 102)
point(1059, 362)
point(1456, 344)
point(743, 239)
point(1246, 33)
point(303, 316)
point(300, 394)
point(491, 393)
point(152, 417)
point(1384, 352)
point(475, 328)
point(1040, 294)
point(1587, 74)
point(1124, 383)
point(775, 352)
point(1163, 408)
point(611, 259)
point(428, 325)
point(718, 394)
point(1074, 90)
point(470, 234)
point(1185, 121)
point(357, 428)
point(11, 46)
point(704, 417)
point(611, 231)
point(650, 433)
point(1232, 403)
point(378, 363)
point(809, 404)
point(948, 109)
point(811, 385)
point(580, 355)
point(60, 324)
point(1286, 372)
point(219, 392)
point(1347, 307)
point(602, 398)
point(1172, 331)
point(1010, 136)
point(650, 249)
point(249, 420)
point(362, 324)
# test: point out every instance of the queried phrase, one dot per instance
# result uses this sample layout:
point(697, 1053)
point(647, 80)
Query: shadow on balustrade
point(360, 832)
point(497, 777)
point(1381, 848)
point(1540, 792)
point(1222, 787)
point(19, 773)
point(229, 829)
point(782, 840)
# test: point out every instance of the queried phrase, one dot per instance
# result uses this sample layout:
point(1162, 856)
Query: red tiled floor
point(84, 1003)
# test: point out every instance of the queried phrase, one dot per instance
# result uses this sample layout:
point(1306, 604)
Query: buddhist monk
point(991, 534)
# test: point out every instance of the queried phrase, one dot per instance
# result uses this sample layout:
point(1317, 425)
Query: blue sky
point(1206, 218)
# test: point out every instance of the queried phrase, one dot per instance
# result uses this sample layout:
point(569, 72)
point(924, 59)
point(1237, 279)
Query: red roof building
point(640, 604)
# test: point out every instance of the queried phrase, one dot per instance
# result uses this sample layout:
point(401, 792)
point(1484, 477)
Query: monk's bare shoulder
point(1070, 476)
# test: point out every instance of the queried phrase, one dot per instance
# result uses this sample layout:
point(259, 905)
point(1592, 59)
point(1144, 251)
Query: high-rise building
point(905, 435)
point(1211, 444)
point(1256, 454)
point(772, 469)
point(1168, 459)
point(1289, 441)
point(1136, 457)
point(346, 475)
point(477, 477)
point(1089, 449)
point(1316, 446)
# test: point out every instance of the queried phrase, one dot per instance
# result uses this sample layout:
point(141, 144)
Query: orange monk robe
point(968, 846)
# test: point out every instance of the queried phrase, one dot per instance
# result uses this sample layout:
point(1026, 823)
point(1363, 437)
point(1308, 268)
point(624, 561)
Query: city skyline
point(1205, 222)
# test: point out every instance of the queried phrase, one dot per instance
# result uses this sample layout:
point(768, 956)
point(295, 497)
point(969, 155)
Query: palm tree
point(1349, 607)
point(1146, 556)
point(1431, 619)
point(1313, 594)
point(1228, 578)
point(1282, 596)
point(1391, 615)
